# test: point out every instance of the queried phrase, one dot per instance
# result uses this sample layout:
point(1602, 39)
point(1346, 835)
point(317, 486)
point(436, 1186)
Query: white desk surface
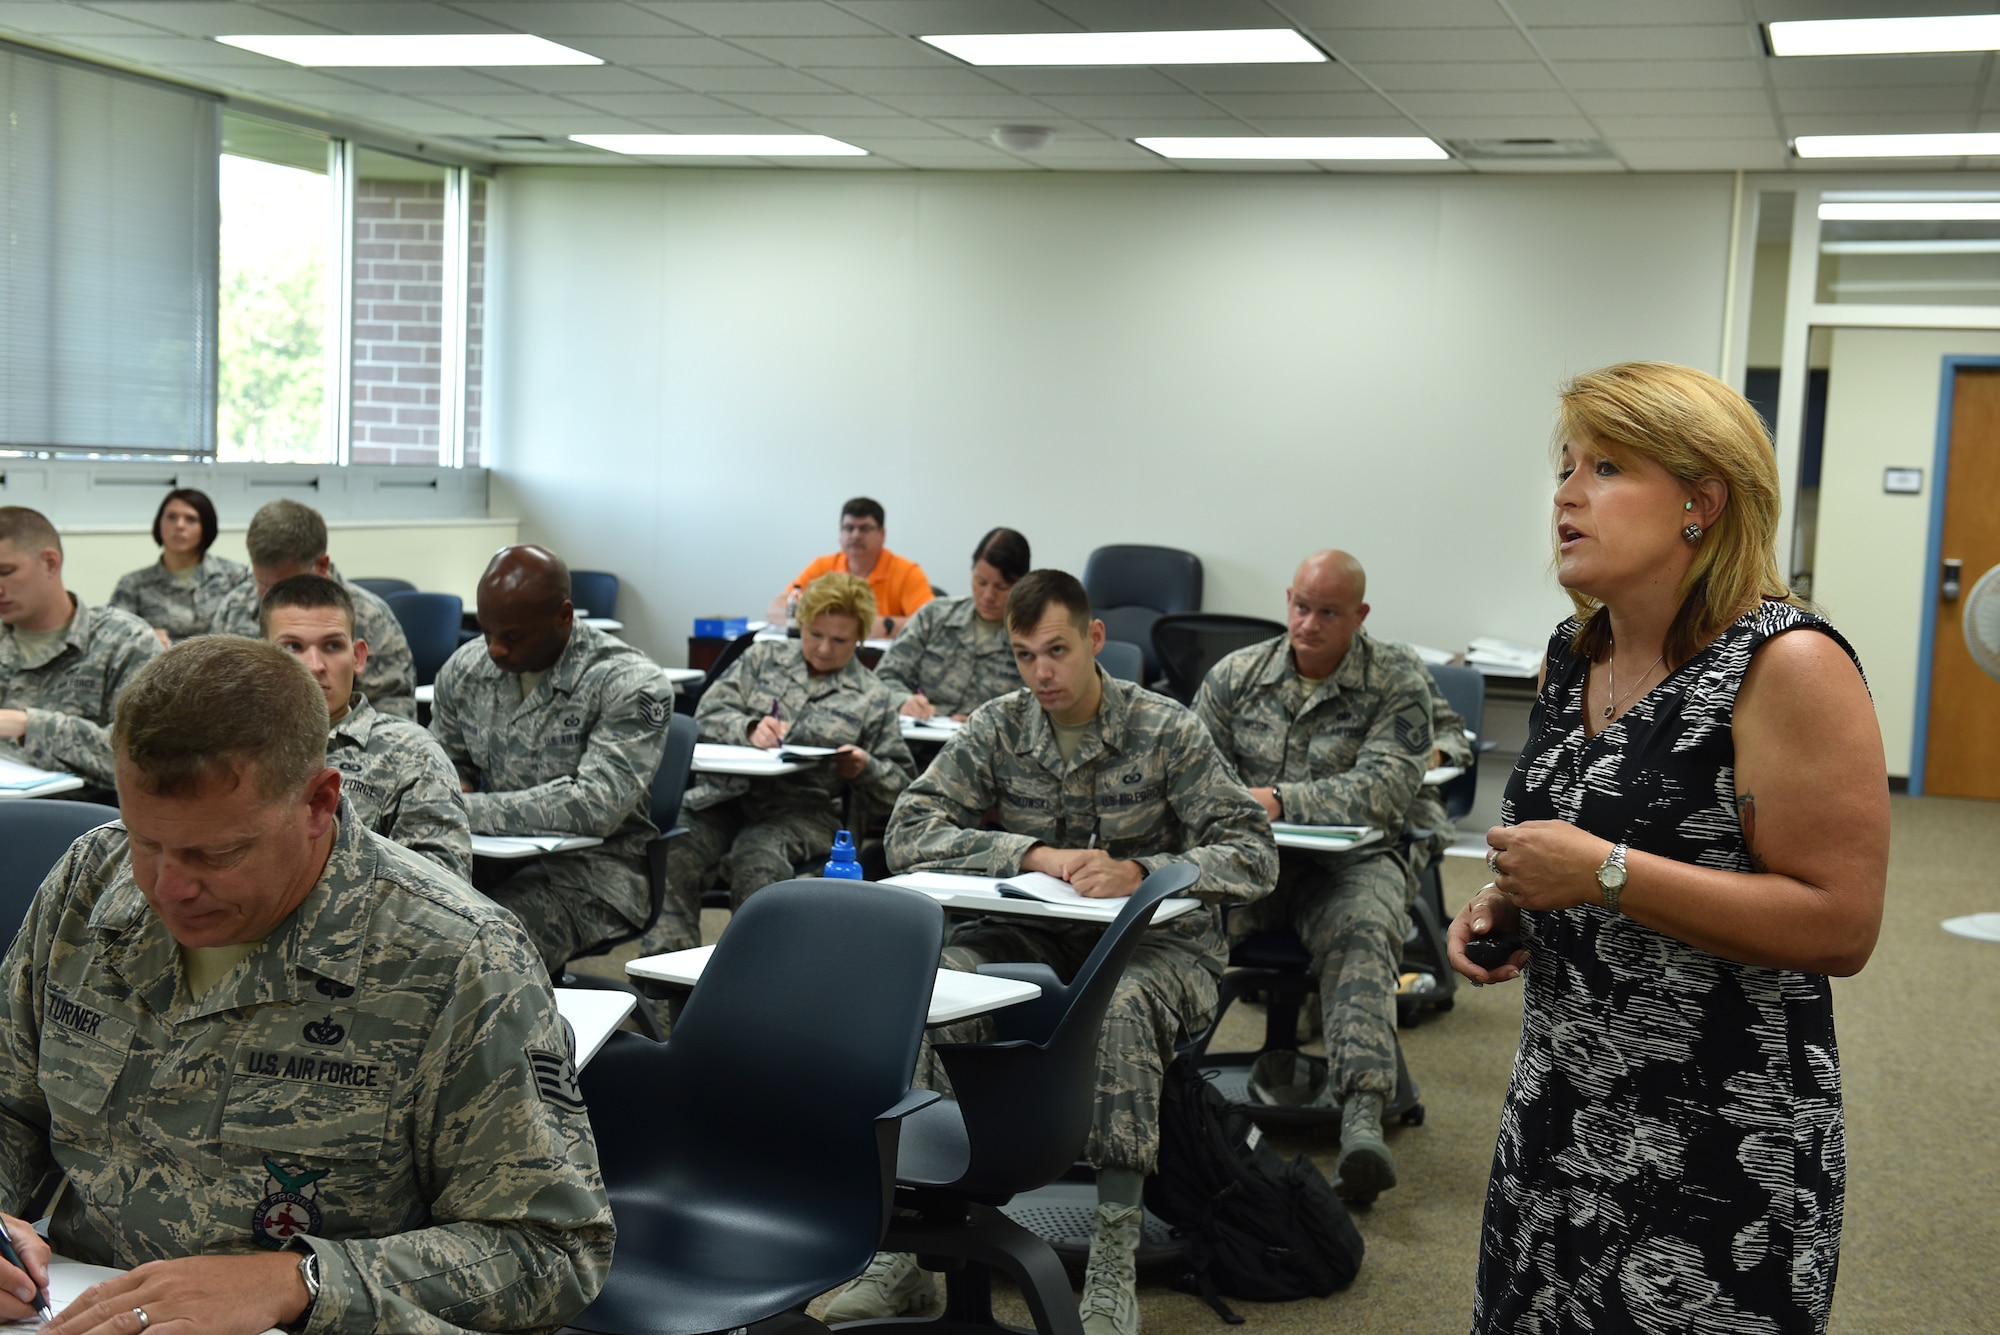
point(684, 676)
point(611, 624)
point(975, 894)
point(915, 730)
point(1322, 845)
point(1443, 774)
point(529, 846)
point(957, 996)
point(426, 695)
point(66, 783)
point(593, 1013)
point(718, 758)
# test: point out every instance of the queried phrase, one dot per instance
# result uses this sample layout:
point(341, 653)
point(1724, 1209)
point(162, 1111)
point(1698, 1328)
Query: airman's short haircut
point(285, 533)
point(217, 702)
point(864, 507)
point(29, 530)
point(841, 595)
point(308, 591)
point(1038, 590)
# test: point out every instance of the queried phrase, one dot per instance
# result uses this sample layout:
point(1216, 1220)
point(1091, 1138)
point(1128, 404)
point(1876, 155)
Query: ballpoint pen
point(13, 1258)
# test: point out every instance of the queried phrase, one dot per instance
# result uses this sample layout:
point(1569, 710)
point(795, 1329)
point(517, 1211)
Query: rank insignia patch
point(556, 1079)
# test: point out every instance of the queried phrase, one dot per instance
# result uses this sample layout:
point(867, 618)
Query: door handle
point(1948, 584)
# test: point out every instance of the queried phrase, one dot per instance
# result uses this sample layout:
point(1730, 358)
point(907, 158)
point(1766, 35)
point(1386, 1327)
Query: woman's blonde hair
point(1695, 427)
point(840, 594)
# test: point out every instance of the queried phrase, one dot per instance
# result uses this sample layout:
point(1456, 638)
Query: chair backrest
point(1026, 1100)
point(1122, 659)
point(1188, 644)
point(431, 623)
point(36, 833)
point(670, 781)
point(1165, 579)
point(596, 590)
point(1465, 690)
point(382, 588)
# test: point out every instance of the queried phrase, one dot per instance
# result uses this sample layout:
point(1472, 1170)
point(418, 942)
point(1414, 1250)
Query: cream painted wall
point(692, 369)
point(1869, 565)
point(439, 555)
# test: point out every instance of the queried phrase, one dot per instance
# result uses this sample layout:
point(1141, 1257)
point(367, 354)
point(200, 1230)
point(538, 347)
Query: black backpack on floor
point(1258, 1227)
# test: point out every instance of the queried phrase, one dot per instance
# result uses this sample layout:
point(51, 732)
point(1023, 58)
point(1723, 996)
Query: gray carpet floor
point(1920, 1047)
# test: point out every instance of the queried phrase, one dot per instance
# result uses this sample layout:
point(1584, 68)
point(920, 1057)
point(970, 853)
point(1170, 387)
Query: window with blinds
point(107, 261)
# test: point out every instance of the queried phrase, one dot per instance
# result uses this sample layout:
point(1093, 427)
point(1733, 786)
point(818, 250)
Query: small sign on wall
point(1903, 481)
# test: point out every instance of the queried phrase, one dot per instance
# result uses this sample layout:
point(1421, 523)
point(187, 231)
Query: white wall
point(1869, 563)
point(691, 370)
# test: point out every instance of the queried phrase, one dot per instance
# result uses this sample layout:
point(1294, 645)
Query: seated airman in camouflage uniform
point(953, 655)
point(180, 594)
point(1329, 727)
point(556, 728)
point(287, 1072)
point(394, 777)
point(62, 661)
point(286, 539)
point(1449, 746)
point(808, 692)
point(1099, 782)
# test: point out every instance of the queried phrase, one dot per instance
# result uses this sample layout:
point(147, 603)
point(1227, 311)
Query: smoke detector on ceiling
point(1022, 138)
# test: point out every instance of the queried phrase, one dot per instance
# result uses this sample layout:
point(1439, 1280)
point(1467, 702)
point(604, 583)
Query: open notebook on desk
point(1029, 894)
point(1323, 838)
point(21, 780)
point(530, 845)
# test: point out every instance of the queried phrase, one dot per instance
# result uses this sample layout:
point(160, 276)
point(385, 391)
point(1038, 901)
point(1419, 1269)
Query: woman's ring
point(1493, 860)
point(144, 1320)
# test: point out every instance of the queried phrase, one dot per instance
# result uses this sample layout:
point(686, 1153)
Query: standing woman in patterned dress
point(1695, 837)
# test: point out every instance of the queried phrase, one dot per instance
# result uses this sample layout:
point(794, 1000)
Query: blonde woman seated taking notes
point(954, 656)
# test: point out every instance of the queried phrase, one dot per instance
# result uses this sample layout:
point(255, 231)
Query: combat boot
point(1366, 1167)
point(1110, 1304)
point(892, 1285)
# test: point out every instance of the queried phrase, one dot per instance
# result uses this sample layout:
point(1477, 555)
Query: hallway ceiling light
point(1227, 46)
point(1886, 37)
point(1910, 210)
point(1897, 145)
point(1299, 149)
point(397, 50)
point(723, 145)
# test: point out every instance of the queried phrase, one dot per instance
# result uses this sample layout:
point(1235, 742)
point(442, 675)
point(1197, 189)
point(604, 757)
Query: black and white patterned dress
point(1671, 1153)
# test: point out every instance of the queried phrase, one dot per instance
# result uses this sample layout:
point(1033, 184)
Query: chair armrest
point(1031, 1020)
point(888, 1134)
point(909, 1103)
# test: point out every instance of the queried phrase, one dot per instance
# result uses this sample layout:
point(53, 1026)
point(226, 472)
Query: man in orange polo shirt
point(900, 585)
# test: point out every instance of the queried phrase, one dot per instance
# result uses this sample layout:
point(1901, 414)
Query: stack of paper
point(26, 780)
point(1333, 836)
point(1503, 657)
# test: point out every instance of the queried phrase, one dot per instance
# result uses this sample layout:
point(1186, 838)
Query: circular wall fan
point(1982, 622)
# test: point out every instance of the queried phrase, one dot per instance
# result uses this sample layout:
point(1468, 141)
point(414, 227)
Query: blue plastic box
point(720, 628)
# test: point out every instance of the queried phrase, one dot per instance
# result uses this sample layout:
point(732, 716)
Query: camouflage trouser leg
point(692, 861)
point(571, 902)
point(1353, 919)
point(767, 849)
point(1165, 991)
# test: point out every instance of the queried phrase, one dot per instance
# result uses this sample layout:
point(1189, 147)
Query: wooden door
point(1962, 756)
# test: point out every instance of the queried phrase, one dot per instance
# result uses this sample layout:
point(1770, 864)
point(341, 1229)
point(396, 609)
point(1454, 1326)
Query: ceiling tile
point(1361, 47)
point(1643, 13)
point(384, 107)
point(1510, 127)
point(169, 53)
point(58, 20)
point(1909, 122)
point(684, 51)
point(1624, 129)
point(1255, 106)
point(1128, 79)
point(1713, 41)
point(398, 17)
point(273, 79)
point(1469, 76)
point(843, 52)
point(1397, 13)
point(1112, 15)
point(1427, 105)
point(998, 105)
point(577, 18)
point(513, 106)
point(1712, 102)
point(1121, 128)
point(660, 103)
point(1085, 106)
point(1544, 166)
point(1619, 75)
point(937, 80)
point(1666, 155)
point(768, 18)
point(1328, 78)
point(581, 79)
point(706, 125)
point(794, 105)
point(915, 17)
point(446, 122)
point(950, 153)
point(1950, 98)
point(423, 81)
point(206, 20)
point(856, 129)
point(1366, 127)
point(1877, 71)
point(740, 79)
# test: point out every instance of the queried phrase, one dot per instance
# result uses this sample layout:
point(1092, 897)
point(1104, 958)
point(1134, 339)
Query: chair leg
point(988, 1240)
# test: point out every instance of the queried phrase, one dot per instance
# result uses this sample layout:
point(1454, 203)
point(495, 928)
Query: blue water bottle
point(840, 864)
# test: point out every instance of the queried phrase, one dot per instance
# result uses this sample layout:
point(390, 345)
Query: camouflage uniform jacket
point(939, 653)
point(1354, 752)
point(70, 691)
point(401, 785)
point(577, 756)
point(1147, 782)
point(386, 1077)
point(1427, 809)
point(390, 679)
point(845, 708)
point(181, 609)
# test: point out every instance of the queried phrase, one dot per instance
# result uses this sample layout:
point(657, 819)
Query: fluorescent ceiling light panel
point(1886, 37)
point(433, 50)
point(1912, 210)
point(1299, 149)
point(1897, 145)
point(1227, 46)
point(723, 145)
point(1968, 247)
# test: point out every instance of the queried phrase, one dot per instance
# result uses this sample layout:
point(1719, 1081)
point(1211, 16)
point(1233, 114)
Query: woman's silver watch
point(1611, 877)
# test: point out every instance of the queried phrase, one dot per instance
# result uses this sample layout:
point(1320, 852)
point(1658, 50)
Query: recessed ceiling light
point(1297, 149)
point(1911, 210)
point(723, 145)
point(1228, 46)
point(438, 49)
point(1886, 37)
point(1897, 145)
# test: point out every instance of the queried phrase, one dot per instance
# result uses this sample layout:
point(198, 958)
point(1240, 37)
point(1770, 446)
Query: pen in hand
point(13, 1258)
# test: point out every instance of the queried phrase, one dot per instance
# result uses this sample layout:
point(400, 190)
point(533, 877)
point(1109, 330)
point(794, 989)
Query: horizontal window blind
point(107, 261)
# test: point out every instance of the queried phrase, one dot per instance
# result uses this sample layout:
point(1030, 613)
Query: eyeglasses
point(866, 528)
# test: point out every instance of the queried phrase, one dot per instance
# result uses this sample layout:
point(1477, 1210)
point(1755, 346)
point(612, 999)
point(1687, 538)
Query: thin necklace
point(1611, 679)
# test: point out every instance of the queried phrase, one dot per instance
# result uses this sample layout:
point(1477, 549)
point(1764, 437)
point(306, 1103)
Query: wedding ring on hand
point(1493, 860)
point(144, 1321)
